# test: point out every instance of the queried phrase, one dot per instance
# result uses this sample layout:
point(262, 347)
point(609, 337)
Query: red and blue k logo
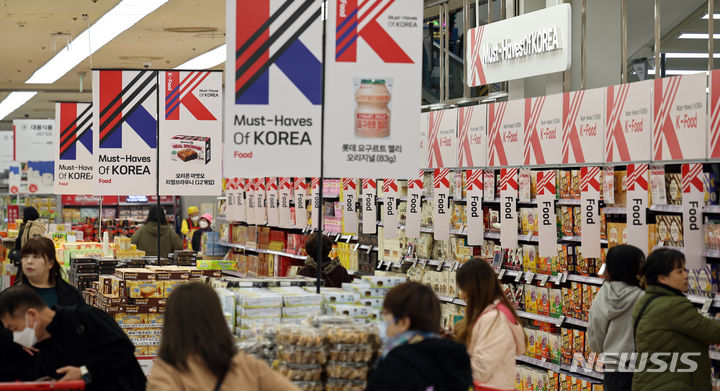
point(128, 105)
point(182, 92)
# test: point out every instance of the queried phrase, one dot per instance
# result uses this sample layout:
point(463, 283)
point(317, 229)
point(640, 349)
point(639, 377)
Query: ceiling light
point(677, 72)
point(690, 55)
point(113, 23)
point(697, 36)
point(715, 16)
point(206, 60)
point(13, 101)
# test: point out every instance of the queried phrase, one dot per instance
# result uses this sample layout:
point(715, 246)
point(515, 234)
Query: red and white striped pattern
point(663, 129)
point(261, 184)
point(272, 183)
point(508, 179)
point(533, 109)
point(465, 158)
point(692, 177)
point(441, 179)
point(369, 184)
point(590, 179)
point(434, 151)
point(614, 135)
point(300, 184)
point(314, 183)
point(349, 184)
point(285, 183)
point(240, 183)
point(714, 147)
point(570, 135)
point(417, 183)
point(475, 67)
point(389, 184)
point(230, 184)
point(474, 180)
point(496, 149)
point(546, 182)
point(637, 177)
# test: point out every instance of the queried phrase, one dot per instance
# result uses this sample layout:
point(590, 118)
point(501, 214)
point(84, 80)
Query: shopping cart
point(44, 386)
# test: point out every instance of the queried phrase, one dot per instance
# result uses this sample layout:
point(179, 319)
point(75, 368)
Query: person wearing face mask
point(73, 343)
point(191, 223)
point(664, 320)
point(415, 357)
point(203, 226)
point(146, 238)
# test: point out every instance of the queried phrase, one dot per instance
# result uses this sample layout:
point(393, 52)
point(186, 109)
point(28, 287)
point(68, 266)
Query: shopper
point(610, 324)
point(197, 350)
point(73, 343)
point(415, 357)
point(30, 228)
point(332, 272)
point(204, 225)
point(491, 330)
point(146, 238)
point(190, 224)
point(665, 321)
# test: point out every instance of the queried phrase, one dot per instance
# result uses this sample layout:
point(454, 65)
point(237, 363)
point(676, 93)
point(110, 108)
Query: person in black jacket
point(415, 357)
point(332, 272)
point(73, 343)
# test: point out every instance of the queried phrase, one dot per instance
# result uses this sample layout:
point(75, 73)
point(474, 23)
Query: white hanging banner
point(637, 202)
point(583, 126)
point(285, 195)
point(389, 215)
point(40, 177)
point(240, 200)
point(590, 210)
point(508, 208)
point(442, 141)
point(629, 122)
point(16, 183)
point(713, 137)
point(489, 185)
point(506, 121)
point(680, 126)
point(441, 212)
point(271, 187)
point(33, 139)
point(693, 201)
point(300, 194)
point(424, 156)
point(251, 198)
point(74, 158)
point(231, 199)
point(472, 136)
point(657, 185)
point(369, 215)
point(349, 202)
point(261, 202)
point(609, 185)
point(547, 224)
point(414, 207)
point(475, 221)
point(543, 130)
point(6, 149)
point(316, 201)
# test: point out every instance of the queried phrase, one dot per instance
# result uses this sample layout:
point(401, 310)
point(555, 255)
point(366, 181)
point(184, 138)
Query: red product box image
point(190, 148)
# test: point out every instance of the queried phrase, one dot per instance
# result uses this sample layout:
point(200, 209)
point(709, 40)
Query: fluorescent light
point(697, 36)
point(690, 55)
point(14, 101)
point(206, 60)
point(113, 23)
point(715, 16)
point(677, 72)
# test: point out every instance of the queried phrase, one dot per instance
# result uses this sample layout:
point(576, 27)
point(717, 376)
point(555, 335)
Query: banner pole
point(157, 162)
point(319, 255)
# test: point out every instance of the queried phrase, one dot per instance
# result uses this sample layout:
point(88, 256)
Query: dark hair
point(416, 302)
point(156, 213)
point(315, 240)
point(30, 213)
point(45, 248)
point(623, 263)
point(661, 262)
point(195, 325)
point(20, 298)
point(478, 281)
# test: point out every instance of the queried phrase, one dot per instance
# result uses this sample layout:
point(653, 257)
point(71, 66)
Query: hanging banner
point(17, 178)
point(389, 214)
point(506, 121)
point(251, 198)
point(441, 212)
point(260, 202)
point(349, 202)
point(316, 202)
point(609, 185)
point(583, 126)
point(637, 201)
point(472, 136)
point(372, 87)
point(231, 213)
point(442, 143)
point(657, 185)
point(6, 149)
point(474, 210)
point(489, 185)
point(285, 190)
point(40, 177)
point(590, 210)
point(508, 208)
point(423, 152)
point(713, 137)
point(629, 119)
point(271, 186)
point(273, 87)
point(369, 213)
point(34, 139)
point(543, 130)
point(680, 125)
point(74, 158)
point(240, 200)
point(190, 132)
point(125, 108)
point(547, 226)
point(693, 200)
point(414, 206)
point(300, 194)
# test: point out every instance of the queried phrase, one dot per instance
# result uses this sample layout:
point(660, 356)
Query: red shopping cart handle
point(76, 385)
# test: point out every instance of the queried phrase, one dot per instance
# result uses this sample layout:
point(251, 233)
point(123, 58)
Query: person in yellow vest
point(190, 224)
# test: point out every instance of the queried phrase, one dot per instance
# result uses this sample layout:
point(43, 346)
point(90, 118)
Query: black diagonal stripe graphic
point(67, 128)
point(277, 54)
point(124, 90)
point(89, 118)
point(83, 130)
point(262, 28)
point(274, 37)
point(127, 101)
point(135, 106)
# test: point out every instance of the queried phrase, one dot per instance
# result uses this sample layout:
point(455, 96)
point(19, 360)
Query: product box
point(673, 184)
point(258, 312)
point(556, 301)
point(577, 221)
point(676, 231)
point(254, 297)
point(352, 310)
point(383, 281)
point(190, 149)
point(339, 296)
point(554, 343)
point(135, 274)
point(531, 341)
point(579, 342)
point(566, 348)
point(170, 285)
point(145, 289)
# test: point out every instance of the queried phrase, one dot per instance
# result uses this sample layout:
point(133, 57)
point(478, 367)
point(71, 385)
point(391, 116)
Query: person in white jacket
point(610, 327)
point(491, 329)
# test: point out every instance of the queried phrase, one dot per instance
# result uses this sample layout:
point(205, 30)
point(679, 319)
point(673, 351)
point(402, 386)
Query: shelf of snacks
point(569, 201)
point(259, 250)
point(539, 363)
point(666, 208)
point(583, 372)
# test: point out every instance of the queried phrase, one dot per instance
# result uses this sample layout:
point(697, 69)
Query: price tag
point(423, 262)
point(357, 245)
point(440, 266)
point(544, 279)
point(349, 238)
point(564, 278)
point(601, 272)
point(456, 265)
point(414, 262)
point(337, 238)
point(388, 266)
point(380, 264)
point(502, 274)
point(529, 277)
point(369, 249)
point(325, 233)
point(560, 321)
point(706, 305)
point(304, 230)
point(558, 278)
point(518, 277)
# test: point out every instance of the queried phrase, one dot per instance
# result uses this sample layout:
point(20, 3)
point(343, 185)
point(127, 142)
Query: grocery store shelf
point(696, 299)
point(570, 239)
point(262, 251)
point(566, 201)
point(585, 279)
point(403, 198)
point(583, 372)
point(538, 363)
point(666, 208)
point(613, 210)
point(492, 235)
point(711, 209)
point(528, 238)
point(541, 318)
point(576, 322)
point(711, 253)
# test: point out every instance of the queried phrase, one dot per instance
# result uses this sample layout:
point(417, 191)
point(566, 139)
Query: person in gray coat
point(610, 328)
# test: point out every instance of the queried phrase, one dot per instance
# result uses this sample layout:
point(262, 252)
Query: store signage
point(271, 188)
point(608, 185)
point(680, 125)
point(543, 130)
point(300, 194)
point(590, 210)
point(285, 196)
point(6, 149)
point(40, 177)
point(693, 201)
point(637, 203)
point(261, 203)
point(231, 199)
point(190, 132)
point(423, 153)
point(442, 141)
point(373, 87)
point(474, 211)
point(472, 136)
point(441, 197)
point(489, 185)
point(88, 200)
point(74, 158)
point(547, 221)
point(273, 87)
point(713, 143)
point(528, 45)
point(414, 206)
point(389, 212)
point(13, 213)
point(349, 204)
point(17, 178)
point(316, 198)
point(508, 208)
point(369, 213)
point(583, 126)
point(251, 201)
point(506, 121)
point(240, 199)
point(125, 126)
point(628, 132)
point(34, 139)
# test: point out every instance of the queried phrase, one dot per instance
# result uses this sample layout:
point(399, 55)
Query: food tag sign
point(414, 207)
point(590, 209)
point(369, 188)
point(547, 229)
point(637, 186)
point(475, 223)
point(285, 196)
point(508, 208)
point(350, 220)
point(300, 190)
point(441, 215)
point(390, 217)
point(693, 199)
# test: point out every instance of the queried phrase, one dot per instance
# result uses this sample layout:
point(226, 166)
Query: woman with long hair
point(197, 350)
point(491, 329)
point(146, 238)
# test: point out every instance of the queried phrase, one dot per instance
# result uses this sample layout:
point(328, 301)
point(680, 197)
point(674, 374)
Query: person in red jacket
point(332, 272)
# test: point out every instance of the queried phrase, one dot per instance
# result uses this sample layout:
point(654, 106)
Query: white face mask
point(204, 224)
point(382, 331)
point(195, 219)
point(26, 337)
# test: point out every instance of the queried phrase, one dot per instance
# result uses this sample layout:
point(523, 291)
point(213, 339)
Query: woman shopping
point(332, 272)
point(31, 227)
point(204, 225)
point(146, 238)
